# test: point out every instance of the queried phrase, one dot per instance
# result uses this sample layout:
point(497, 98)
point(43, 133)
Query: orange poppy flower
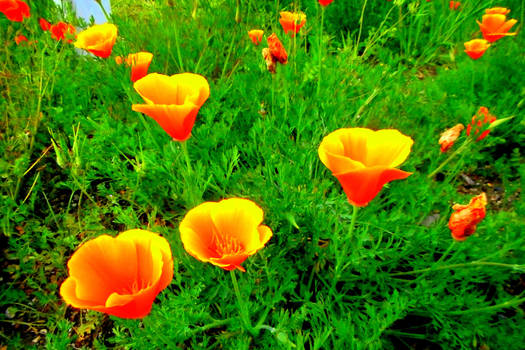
point(464, 220)
point(477, 123)
point(98, 39)
point(292, 22)
point(495, 26)
point(121, 275)
point(497, 11)
point(256, 35)
point(60, 30)
point(19, 38)
point(172, 101)
point(139, 63)
point(448, 137)
point(224, 233)
point(476, 48)
point(364, 160)
point(45, 25)
point(14, 10)
point(325, 2)
point(453, 5)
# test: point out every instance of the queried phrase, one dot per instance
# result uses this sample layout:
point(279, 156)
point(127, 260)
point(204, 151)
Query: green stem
point(513, 302)
point(437, 263)
point(450, 157)
point(104, 10)
point(360, 29)
point(242, 307)
point(352, 222)
point(453, 266)
point(320, 50)
point(340, 253)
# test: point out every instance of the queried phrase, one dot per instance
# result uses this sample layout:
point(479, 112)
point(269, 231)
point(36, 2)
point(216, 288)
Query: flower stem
point(242, 307)
point(453, 155)
point(437, 263)
point(320, 50)
point(513, 302)
point(104, 10)
point(453, 266)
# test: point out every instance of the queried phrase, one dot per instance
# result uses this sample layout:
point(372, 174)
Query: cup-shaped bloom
point(476, 48)
point(364, 160)
point(224, 233)
point(325, 2)
point(139, 63)
point(173, 101)
point(449, 136)
point(479, 123)
point(497, 11)
point(292, 22)
point(121, 275)
point(495, 26)
point(465, 218)
point(15, 10)
point(61, 30)
point(98, 39)
point(256, 35)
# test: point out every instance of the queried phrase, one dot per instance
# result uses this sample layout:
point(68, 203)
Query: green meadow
point(78, 163)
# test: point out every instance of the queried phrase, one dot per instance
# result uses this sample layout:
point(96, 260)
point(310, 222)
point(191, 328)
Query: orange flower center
point(225, 245)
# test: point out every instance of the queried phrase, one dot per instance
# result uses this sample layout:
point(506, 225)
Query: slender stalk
point(360, 28)
point(442, 258)
point(242, 307)
point(450, 157)
point(99, 2)
point(320, 51)
point(195, 6)
point(510, 303)
point(453, 266)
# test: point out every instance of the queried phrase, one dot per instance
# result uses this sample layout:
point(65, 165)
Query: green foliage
point(78, 163)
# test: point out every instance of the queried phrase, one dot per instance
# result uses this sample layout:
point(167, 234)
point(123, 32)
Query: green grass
point(78, 163)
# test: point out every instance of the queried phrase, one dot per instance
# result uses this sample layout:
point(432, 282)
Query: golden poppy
point(476, 48)
point(364, 160)
point(139, 63)
point(172, 101)
point(464, 220)
point(477, 123)
point(448, 137)
point(15, 10)
point(325, 2)
point(60, 30)
point(224, 233)
point(256, 35)
point(495, 26)
point(121, 275)
point(292, 22)
point(98, 39)
point(497, 10)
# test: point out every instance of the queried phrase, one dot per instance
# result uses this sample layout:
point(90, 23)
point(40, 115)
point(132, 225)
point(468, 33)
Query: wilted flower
point(224, 233)
point(364, 160)
point(497, 11)
point(495, 26)
point(19, 38)
point(45, 25)
point(453, 5)
point(139, 63)
point(256, 35)
point(14, 10)
point(172, 101)
point(292, 22)
point(274, 53)
point(98, 39)
point(477, 123)
point(121, 275)
point(60, 30)
point(476, 48)
point(448, 137)
point(463, 221)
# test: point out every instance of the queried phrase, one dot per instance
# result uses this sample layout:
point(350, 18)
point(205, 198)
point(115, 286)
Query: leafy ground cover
point(78, 163)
